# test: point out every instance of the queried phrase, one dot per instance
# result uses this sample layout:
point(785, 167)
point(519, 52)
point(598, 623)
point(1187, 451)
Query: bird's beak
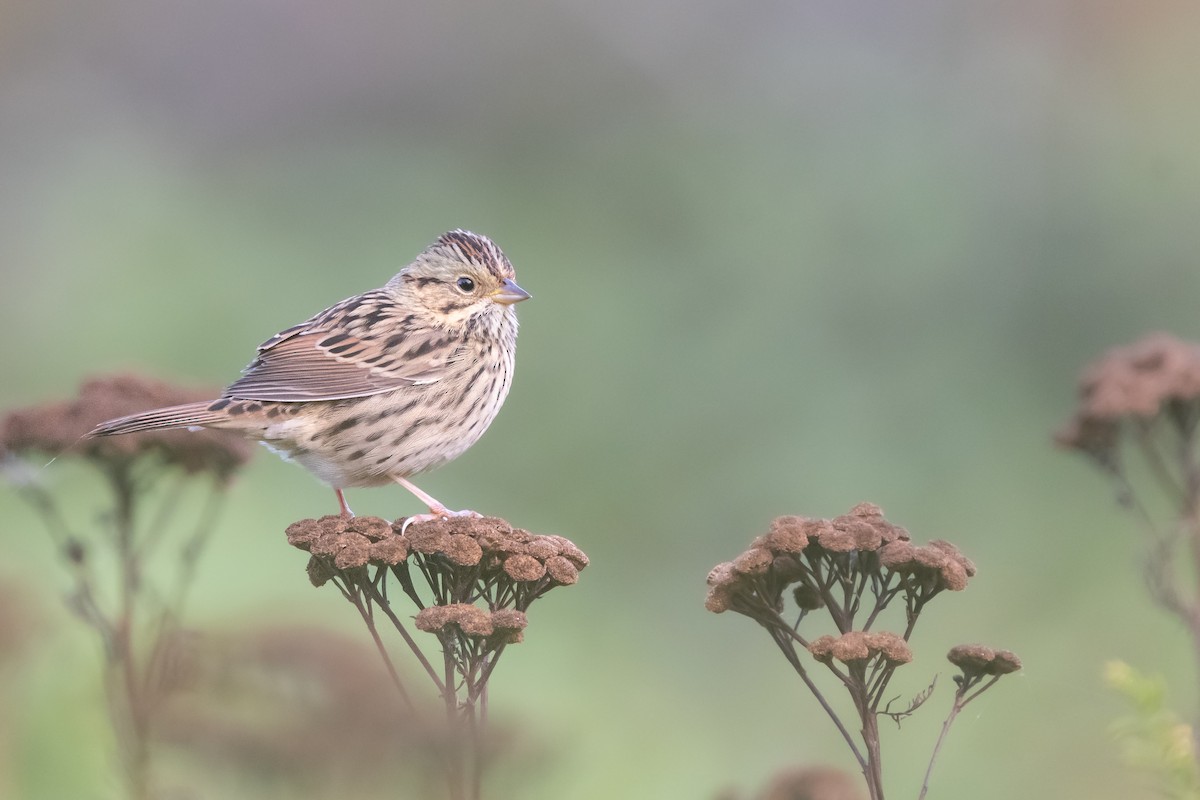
point(510, 293)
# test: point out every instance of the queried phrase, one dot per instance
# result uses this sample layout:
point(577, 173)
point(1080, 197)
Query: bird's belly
point(367, 441)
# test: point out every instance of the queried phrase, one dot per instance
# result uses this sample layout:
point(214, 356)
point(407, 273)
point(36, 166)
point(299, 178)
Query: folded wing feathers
point(191, 414)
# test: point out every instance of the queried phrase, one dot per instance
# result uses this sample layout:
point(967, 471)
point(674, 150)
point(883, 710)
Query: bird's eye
point(465, 284)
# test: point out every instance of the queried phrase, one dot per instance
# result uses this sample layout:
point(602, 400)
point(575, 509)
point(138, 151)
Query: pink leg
point(436, 509)
point(346, 512)
point(433, 505)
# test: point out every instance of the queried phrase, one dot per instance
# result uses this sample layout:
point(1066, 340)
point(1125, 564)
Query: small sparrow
point(383, 385)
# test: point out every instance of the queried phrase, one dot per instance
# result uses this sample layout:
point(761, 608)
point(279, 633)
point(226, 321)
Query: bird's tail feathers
point(186, 416)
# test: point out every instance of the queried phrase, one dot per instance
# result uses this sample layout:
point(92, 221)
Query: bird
point(383, 385)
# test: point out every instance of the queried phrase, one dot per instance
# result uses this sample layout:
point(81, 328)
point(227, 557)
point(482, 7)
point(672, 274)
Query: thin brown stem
point(1158, 465)
point(937, 747)
point(456, 744)
point(375, 595)
point(793, 658)
point(364, 610)
point(131, 695)
point(873, 769)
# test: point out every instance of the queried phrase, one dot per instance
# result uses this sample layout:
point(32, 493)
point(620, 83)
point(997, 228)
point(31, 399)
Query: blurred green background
point(785, 257)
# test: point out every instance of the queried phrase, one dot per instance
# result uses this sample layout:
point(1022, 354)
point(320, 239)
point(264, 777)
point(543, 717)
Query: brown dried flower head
point(1156, 373)
point(59, 428)
point(862, 529)
point(976, 659)
point(722, 584)
point(754, 561)
point(754, 580)
point(488, 543)
point(811, 783)
point(788, 534)
point(510, 624)
point(951, 564)
point(807, 597)
point(473, 622)
point(859, 646)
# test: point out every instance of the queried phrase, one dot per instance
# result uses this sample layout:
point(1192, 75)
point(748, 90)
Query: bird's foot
point(438, 512)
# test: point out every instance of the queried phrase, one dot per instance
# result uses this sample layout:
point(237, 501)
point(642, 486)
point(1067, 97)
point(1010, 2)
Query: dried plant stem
point(471, 580)
point(466, 713)
point(130, 698)
point(963, 696)
point(134, 647)
point(366, 611)
point(780, 635)
point(381, 601)
point(135, 620)
point(1162, 580)
point(849, 568)
point(937, 746)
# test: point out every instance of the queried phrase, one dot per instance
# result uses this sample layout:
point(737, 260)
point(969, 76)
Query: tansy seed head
point(61, 429)
point(860, 645)
point(976, 659)
point(524, 567)
point(1158, 373)
point(562, 570)
point(472, 621)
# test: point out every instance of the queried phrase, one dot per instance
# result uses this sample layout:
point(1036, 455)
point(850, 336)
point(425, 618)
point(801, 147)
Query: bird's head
point(460, 280)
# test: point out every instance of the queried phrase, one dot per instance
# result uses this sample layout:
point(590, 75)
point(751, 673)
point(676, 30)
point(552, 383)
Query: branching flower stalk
point(471, 582)
point(850, 569)
point(980, 668)
point(1138, 420)
point(138, 618)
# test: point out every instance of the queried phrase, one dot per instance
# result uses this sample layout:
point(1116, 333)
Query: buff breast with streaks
point(383, 385)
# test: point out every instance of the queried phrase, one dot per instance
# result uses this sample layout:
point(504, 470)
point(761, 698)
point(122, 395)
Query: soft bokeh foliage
point(784, 258)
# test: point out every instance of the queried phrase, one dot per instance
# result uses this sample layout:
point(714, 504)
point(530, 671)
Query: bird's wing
point(362, 346)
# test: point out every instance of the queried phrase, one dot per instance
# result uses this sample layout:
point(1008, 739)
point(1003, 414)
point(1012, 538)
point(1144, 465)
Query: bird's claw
point(438, 513)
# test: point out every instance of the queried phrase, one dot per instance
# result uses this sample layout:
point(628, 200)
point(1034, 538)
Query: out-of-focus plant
point(1153, 737)
point(1138, 421)
point(287, 711)
point(19, 625)
point(471, 581)
point(805, 783)
point(140, 539)
point(852, 569)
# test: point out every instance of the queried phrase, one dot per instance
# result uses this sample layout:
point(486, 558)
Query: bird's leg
point(436, 509)
point(346, 512)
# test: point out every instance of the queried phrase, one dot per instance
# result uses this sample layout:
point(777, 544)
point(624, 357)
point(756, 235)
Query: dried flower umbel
point(471, 581)
point(850, 569)
point(299, 711)
point(804, 783)
point(147, 477)
point(1138, 420)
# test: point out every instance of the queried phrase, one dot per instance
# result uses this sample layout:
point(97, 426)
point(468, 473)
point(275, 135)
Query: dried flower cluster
point(305, 710)
point(471, 581)
point(976, 660)
point(143, 533)
point(60, 428)
point(811, 783)
point(466, 560)
point(819, 559)
point(850, 568)
point(1137, 419)
point(803, 783)
point(860, 646)
point(1156, 377)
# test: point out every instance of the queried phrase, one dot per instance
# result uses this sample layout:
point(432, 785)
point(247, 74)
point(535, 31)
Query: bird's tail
point(191, 415)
